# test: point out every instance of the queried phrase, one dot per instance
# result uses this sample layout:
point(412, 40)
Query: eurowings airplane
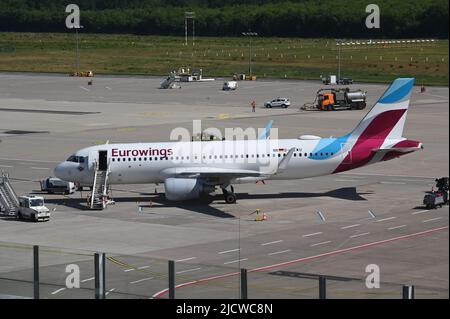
point(191, 169)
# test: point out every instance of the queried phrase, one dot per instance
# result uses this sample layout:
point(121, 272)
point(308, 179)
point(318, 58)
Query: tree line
point(283, 18)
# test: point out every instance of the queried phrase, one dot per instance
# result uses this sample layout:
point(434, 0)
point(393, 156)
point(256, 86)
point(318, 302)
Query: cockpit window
point(75, 159)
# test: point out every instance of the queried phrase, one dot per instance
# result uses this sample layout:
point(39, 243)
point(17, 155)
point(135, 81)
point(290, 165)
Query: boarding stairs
point(9, 202)
point(100, 189)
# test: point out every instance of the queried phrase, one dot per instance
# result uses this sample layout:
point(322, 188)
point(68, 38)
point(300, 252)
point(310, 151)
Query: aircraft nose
point(62, 171)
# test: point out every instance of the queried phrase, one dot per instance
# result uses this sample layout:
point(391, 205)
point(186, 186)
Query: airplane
point(190, 169)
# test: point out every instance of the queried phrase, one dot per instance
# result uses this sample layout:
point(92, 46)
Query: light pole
point(189, 15)
point(77, 54)
point(250, 35)
point(338, 45)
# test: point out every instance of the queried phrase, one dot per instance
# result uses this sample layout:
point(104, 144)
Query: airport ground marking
point(187, 270)
point(141, 280)
point(58, 291)
point(109, 291)
point(272, 242)
point(163, 292)
point(396, 227)
point(82, 87)
point(186, 259)
point(143, 267)
point(351, 226)
point(392, 183)
point(313, 234)
point(347, 180)
point(421, 212)
point(385, 219)
point(279, 252)
point(359, 235)
point(26, 160)
point(40, 168)
point(235, 261)
point(88, 279)
point(322, 243)
point(228, 251)
point(432, 219)
point(7, 166)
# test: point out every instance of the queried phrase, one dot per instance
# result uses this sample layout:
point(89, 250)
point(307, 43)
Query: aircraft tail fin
point(387, 117)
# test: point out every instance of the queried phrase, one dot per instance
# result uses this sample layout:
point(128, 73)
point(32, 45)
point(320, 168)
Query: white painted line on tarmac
point(393, 183)
point(279, 252)
point(322, 243)
point(187, 270)
point(228, 251)
point(6, 166)
point(108, 88)
point(385, 219)
point(185, 259)
point(235, 261)
point(396, 227)
point(25, 160)
point(351, 226)
point(272, 242)
point(144, 267)
point(42, 168)
point(313, 234)
point(359, 235)
point(88, 279)
point(109, 291)
point(346, 180)
point(82, 87)
point(128, 270)
point(432, 219)
point(140, 280)
point(420, 212)
point(57, 291)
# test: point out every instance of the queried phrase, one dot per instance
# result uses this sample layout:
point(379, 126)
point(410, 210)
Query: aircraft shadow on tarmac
point(202, 205)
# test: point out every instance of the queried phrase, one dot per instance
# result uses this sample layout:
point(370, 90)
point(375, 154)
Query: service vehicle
point(229, 86)
point(278, 102)
point(54, 185)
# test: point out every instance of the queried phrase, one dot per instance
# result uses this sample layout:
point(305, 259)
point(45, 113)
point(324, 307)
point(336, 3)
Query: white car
point(279, 101)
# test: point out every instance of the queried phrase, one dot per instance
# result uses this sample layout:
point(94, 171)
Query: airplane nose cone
point(61, 171)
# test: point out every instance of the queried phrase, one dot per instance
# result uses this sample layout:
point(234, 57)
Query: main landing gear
point(229, 195)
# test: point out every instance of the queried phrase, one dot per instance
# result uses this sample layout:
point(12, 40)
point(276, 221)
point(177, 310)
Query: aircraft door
point(103, 160)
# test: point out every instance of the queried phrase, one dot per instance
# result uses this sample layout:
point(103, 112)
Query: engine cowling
point(177, 189)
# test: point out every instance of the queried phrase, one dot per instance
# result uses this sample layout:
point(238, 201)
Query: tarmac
point(369, 216)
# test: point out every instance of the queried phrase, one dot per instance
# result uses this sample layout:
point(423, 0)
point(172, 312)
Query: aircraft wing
point(225, 173)
point(209, 172)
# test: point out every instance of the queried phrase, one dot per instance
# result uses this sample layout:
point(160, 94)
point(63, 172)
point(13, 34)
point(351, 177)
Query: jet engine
point(178, 189)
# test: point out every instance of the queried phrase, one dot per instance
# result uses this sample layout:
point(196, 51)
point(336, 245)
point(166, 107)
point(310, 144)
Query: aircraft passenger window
point(145, 158)
point(129, 159)
point(321, 154)
point(187, 157)
point(134, 159)
point(306, 154)
point(253, 155)
point(295, 154)
point(316, 154)
point(279, 155)
point(257, 155)
point(215, 156)
point(182, 158)
point(246, 155)
point(113, 160)
point(140, 159)
point(326, 154)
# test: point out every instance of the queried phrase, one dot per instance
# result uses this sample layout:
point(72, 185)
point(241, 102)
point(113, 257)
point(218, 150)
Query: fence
point(47, 272)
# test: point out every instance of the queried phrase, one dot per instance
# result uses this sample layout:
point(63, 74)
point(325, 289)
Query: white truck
point(53, 185)
point(229, 85)
point(33, 208)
